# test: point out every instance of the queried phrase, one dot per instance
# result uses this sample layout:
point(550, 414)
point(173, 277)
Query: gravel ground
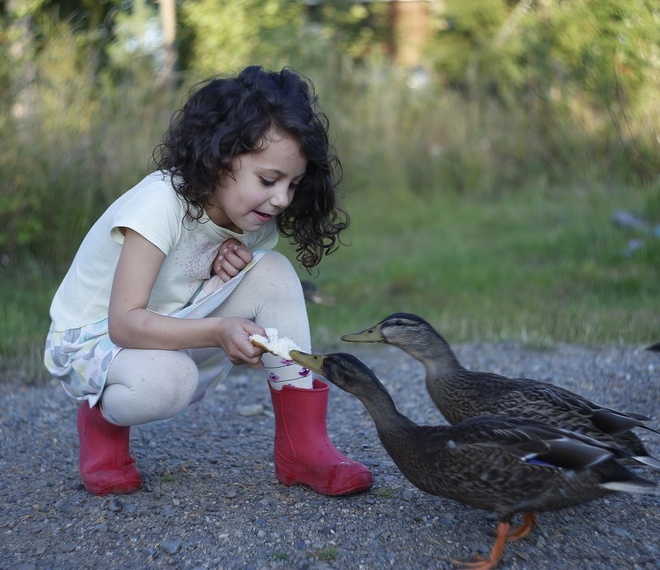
point(211, 500)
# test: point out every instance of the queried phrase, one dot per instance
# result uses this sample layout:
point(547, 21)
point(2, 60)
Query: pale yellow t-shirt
point(153, 209)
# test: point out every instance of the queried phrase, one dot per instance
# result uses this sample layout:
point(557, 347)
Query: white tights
point(148, 385)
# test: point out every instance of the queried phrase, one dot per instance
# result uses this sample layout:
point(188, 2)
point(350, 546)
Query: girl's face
point(262, 184)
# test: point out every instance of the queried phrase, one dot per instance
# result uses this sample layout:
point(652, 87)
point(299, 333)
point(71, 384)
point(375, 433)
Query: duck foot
point(495, 555)
point(480, 564)
point(524, 529)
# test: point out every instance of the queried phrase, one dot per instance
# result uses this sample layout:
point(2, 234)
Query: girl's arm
point(131, 325)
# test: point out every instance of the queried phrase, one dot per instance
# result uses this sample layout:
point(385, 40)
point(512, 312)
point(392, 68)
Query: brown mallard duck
point(314, 295)
point(460, 393)
point(494, 463)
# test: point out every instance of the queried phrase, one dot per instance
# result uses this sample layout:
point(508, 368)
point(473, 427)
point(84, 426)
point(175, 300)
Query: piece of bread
point(274, 344)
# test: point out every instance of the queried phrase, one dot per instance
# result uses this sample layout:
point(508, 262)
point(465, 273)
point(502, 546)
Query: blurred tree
point(359, 29)
point(229, 35)
point(592, 62)
point(137, 39)
point(221, 35)
point(167, 9)
point(18, 45)
point(606, 50)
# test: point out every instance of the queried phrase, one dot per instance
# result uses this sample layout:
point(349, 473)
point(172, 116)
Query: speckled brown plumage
point(495, 463)
point(460, 393)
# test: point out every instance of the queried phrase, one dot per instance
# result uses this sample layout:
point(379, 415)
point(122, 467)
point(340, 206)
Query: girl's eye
point(266, 182)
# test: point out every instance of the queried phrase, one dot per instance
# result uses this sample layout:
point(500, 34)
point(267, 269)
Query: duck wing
point(533, 399)
point(534, 442)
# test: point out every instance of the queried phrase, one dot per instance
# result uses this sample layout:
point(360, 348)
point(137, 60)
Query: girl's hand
point(234, 340)
point(232, 257)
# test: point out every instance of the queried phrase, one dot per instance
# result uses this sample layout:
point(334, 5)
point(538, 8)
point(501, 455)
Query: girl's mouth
point(263, 217)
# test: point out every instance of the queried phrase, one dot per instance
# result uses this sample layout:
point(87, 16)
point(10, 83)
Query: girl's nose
point(282, 196)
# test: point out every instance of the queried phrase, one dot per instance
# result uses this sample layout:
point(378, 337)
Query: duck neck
point(384, 413)
point(437, 357)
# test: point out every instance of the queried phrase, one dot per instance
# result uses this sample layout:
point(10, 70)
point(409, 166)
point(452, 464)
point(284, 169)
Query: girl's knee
point(274, 261)
point(149, 385)
point(178, 381)
point(276, 271)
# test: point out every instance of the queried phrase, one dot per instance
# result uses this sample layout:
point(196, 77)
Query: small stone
point(171, 546)
point(67, 546)
point(410, 494)
point(251, 410)
point(620, 532)
point(116, 505)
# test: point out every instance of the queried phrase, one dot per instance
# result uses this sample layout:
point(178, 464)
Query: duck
point(314, 295)
point(460, 393)
point(495, 463)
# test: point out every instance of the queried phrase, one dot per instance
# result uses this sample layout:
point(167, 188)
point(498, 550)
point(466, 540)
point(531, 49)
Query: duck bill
point(312, 361)
point(372, 334)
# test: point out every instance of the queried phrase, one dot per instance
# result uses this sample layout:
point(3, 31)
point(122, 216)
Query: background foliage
point(517, 114)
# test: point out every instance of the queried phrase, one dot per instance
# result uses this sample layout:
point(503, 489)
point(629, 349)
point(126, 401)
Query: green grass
point(386, 492)
point(536, 267)
point(328, 554)
point(26, 291)
point(532, 266)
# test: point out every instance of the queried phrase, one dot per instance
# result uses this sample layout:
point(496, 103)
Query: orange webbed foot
point(480, 563)
point(524, 529)
point(495, 555)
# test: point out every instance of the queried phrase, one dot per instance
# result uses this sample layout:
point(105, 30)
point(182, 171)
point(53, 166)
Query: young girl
point(174, 277)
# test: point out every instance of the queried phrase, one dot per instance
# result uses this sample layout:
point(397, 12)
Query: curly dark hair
point(225, 117)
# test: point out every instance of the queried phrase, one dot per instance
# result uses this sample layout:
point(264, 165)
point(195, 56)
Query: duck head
point(344, 370)
point(398, 328)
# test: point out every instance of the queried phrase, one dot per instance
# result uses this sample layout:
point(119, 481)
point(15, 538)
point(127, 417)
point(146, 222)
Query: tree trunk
point(167, 10)
point(23, 71)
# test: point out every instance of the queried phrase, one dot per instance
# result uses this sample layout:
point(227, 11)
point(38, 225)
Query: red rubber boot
point(303, 453)
point(106, 465)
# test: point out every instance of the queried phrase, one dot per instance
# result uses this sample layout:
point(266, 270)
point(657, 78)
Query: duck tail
point(647, 460)
point(651, 429)
point(637, 485)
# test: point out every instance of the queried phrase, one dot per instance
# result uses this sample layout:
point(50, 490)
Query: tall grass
point(430, 139)
point(490, 221)
point(62, 169)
